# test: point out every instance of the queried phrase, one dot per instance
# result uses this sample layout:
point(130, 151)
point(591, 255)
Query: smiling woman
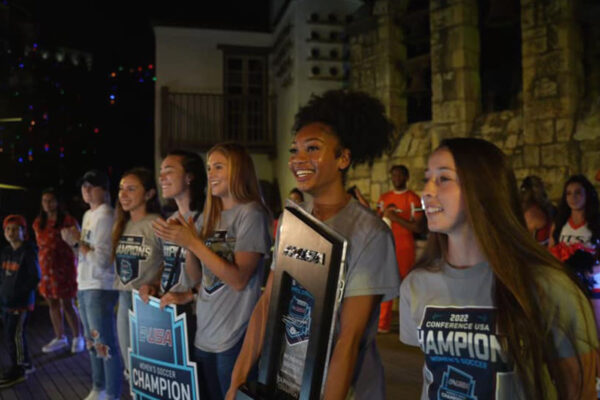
point(482, 301)
point(331, 133)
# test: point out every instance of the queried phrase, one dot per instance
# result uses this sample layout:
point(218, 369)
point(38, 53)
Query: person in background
point(228, 257)
point(95, 279)
point(355, 192)
point(537, 208)
point(19, 276)
point(137, 252)
point(183, 181)
point(397, 209)
point(329, 137)
point(59, 272)
point(577, 224)
point(496, 315)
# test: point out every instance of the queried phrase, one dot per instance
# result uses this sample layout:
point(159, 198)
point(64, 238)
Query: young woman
point(495, 314)
point(537, 209)
point(330, 136)
point(136, 251)
point(234, 237)
point(95, 279)
point(59, 274)
point(578, 216)
point(183, 181)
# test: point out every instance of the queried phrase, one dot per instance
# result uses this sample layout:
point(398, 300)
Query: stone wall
point(555, 134)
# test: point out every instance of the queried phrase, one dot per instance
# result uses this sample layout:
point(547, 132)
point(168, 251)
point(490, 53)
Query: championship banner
point(159, 356)
point(308, 285)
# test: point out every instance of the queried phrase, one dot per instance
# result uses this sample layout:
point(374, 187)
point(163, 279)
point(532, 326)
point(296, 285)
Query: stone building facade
point(554, 129)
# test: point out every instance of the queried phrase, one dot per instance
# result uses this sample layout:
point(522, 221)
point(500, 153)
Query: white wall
point(188, 59)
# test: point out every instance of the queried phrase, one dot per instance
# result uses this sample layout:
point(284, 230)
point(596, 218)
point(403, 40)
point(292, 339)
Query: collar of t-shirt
point(400, 191)
point(464, 273)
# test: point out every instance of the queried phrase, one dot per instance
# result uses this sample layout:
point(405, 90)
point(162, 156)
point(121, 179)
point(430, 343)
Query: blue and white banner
point(160, 367)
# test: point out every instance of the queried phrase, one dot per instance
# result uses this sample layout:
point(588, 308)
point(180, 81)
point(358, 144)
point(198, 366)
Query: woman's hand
point(84, 248)
point(176, 230)
point(176, 298)
point(146, 291)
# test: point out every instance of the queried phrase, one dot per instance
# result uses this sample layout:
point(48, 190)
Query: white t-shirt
point(95, 269)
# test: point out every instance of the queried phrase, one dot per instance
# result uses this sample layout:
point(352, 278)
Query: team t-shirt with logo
point(371, 269)
point(174, 277)
point(571, 234)
point(223, 312)
point(138, 256)
point(450, 315)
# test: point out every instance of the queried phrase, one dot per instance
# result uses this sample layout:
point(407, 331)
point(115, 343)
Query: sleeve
point(408, 327)
point(573, 324)
point(375, 270)
point(101, 254)
point(252, 233)
point(415, 200)
point(33, 269)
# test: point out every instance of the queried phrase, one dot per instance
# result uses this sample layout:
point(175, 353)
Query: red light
point(150, 66)
point(113, 74)
point(140, 69)
point(96, 130)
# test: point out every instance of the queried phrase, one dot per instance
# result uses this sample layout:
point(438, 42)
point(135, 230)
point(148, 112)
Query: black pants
point(15, 323)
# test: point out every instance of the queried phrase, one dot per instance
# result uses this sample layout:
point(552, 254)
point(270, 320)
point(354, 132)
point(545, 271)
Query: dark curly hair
point(592, 212)
point(355, 118)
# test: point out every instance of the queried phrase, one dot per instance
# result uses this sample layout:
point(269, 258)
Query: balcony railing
point(200, 120)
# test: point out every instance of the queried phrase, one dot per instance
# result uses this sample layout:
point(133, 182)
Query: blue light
point(35, 45)
point(62, 155)
point(112, 96)
point(141, 80)
point(21, 159)
point(21, 65)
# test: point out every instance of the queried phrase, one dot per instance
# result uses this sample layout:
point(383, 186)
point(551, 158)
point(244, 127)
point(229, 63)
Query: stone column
point(456, 88)
point(552, 88)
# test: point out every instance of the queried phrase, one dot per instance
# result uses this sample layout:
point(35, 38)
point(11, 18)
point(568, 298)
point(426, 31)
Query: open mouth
point(303, 173)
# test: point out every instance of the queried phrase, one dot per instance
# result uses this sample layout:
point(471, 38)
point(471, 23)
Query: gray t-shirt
point(174, 277)
point(449, 313)
point(371, 269)
point(223, 312)
point(138, 256)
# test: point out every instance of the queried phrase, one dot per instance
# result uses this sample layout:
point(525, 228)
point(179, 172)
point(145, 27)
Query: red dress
point(57, 260)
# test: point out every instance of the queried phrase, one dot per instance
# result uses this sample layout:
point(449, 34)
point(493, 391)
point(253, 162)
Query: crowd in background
point(495, 251)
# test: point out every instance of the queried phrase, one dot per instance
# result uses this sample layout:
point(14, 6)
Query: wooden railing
point(198, 121)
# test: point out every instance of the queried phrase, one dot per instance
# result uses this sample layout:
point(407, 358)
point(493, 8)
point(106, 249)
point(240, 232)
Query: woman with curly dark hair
point(496, 315)
point(331, 133)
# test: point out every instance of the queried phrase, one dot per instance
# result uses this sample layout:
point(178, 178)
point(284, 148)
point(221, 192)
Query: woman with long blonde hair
point(233, 240)
point(495, 314)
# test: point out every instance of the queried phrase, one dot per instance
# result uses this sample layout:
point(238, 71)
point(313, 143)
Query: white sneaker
point(78, 344)
point(96, 395)
point(56, 344)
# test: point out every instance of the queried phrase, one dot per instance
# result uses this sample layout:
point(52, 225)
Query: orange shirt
point(403, 238)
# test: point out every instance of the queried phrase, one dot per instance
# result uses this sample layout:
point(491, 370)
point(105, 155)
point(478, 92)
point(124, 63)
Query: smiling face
point(575, 195)
point(218, 174)
point(49, 203)
point(132, 195)
point(173, 180)
point(316, 160)
point(442, 196)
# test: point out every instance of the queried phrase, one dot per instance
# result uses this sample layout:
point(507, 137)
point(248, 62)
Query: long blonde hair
point(242, 181)
point(494, 212)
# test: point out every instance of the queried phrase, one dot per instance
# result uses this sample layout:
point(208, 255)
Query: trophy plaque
point(308, 284)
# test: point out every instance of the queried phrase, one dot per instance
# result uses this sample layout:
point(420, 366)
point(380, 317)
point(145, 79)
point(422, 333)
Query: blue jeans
point(97, 309)
point(125, 304)
point(214, 371)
